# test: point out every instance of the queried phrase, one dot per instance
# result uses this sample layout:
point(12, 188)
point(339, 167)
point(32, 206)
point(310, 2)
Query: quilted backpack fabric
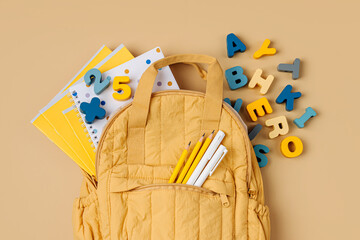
point(138, 151)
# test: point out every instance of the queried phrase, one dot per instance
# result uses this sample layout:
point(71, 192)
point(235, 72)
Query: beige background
point(44, 43)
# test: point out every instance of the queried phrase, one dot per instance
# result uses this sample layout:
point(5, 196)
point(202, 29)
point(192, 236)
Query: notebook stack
point(105, 84)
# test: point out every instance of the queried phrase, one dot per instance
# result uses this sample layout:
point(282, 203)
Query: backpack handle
point(141, 103)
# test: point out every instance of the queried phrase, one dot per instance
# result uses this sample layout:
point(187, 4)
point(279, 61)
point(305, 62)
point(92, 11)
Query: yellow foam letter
point(285, 147)
point(280, 125)
point(260, 106)
point(264, 50)
point(118, 85)
point(263, 83)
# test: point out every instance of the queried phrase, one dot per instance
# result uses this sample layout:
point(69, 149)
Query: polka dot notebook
point(132, 69)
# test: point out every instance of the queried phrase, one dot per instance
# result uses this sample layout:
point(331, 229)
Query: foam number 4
point(123, 91)
point(94, 75)
point(92, 110)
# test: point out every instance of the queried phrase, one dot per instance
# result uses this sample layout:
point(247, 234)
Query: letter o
point(285, 150)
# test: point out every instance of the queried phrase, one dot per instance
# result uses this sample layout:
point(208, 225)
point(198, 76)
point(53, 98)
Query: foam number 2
point(123, 91)
point(94, 75)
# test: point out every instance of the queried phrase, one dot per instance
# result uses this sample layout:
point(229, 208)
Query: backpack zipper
point(223, 197)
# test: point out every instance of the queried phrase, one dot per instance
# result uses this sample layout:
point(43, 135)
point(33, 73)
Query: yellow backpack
point(138, 151)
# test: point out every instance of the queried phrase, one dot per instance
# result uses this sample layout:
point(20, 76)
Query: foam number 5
point(123, 91)
point(94, 75)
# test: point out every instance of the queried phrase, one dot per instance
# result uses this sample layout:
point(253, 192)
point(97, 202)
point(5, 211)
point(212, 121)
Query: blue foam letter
point(234, 45)
point(293, 68)
point(309, 113)
point(260, 151)
point(255, 131)
point(237, 104)
point(235, 77)
point(289, 97)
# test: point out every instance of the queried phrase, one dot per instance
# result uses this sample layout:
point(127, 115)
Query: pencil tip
point(189, 143)
point(213, 131)
point(203, 135)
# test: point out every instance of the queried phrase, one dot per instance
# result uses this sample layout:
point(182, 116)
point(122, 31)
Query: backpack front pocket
point(172, 211)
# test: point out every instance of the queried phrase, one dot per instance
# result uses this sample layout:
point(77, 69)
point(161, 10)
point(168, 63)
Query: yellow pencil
point(190, 160)
point(179, 164)
point(198, 157)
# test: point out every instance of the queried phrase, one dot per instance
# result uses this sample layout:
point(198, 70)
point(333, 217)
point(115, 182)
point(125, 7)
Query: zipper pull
point(252, 194)
point(224, 200)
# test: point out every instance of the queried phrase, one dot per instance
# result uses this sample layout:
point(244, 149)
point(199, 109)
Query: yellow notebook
point(72, 115)
point(44, 126)
point(74, 120)
point(42, 123)
point(56, 119)
point(54, 114)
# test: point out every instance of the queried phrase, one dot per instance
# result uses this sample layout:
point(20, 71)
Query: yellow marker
point(190, 160)
point(285, 147)
point(198, 157)
point(260, 106)
point(264, 50)
point(118, 85)
point(280, 125)
point(179, 164)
